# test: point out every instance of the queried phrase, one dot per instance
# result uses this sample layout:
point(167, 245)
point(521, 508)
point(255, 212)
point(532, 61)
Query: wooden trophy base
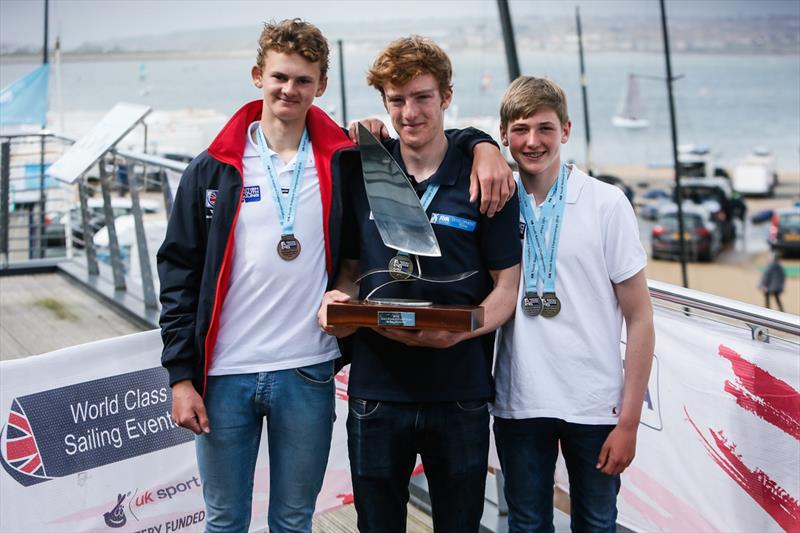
point(436, 317)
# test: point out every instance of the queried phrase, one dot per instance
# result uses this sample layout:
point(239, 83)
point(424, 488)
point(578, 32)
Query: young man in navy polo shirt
point(425, 392)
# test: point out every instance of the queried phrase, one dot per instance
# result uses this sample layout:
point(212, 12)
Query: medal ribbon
point(540, 254)
point(287, 208)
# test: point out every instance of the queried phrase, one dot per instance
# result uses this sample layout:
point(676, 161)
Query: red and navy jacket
point(194, 262)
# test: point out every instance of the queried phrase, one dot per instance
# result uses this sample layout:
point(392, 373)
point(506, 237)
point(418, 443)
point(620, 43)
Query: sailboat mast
point(674, 128)
point(508, 40)
point(46, 18)
point(584, 93)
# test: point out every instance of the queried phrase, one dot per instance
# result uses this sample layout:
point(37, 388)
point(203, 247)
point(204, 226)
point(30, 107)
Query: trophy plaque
point(403, 226)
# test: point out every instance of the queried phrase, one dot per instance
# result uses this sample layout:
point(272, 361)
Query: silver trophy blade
point(398, 213)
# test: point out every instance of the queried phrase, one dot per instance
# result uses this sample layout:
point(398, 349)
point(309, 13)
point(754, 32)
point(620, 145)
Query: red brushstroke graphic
point(346, 499)
point(420, 468)
point(764, 395)
point(342, 379)
point(771, 497)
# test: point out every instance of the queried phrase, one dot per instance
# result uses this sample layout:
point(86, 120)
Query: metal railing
point(104, 229)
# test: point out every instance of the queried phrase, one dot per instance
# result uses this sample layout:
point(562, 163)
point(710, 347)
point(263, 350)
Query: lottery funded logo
point(116, 516)
point(79, 427)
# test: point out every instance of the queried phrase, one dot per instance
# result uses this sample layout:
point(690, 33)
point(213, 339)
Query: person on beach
point(252, 244)
point(421, 391)
point(558, 372)
point(772, 281)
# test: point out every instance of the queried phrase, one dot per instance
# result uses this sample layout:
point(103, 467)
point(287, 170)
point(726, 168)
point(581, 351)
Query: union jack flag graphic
point(20, 452)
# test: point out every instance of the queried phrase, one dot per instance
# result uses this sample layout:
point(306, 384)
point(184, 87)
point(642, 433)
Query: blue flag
point(25, 100)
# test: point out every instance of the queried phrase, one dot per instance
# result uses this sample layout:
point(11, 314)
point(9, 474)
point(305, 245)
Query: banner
point(24, 102)
point(87, 443)
point(717, 448)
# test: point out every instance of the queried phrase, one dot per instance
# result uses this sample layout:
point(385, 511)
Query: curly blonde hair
point(408, 57)
point(294, 36)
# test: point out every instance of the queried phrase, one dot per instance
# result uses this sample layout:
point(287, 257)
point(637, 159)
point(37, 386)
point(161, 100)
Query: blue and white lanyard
point(426, 200)
point(287, 208)
point(540, 254)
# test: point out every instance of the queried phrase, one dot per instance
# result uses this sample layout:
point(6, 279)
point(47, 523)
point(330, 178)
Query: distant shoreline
point(78, 57)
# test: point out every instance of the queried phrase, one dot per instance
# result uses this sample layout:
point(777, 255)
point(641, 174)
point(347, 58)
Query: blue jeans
point(384, 439)
point(528, 449)
point(299, 408)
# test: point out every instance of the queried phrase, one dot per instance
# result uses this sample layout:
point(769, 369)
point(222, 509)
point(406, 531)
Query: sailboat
point(631, 110)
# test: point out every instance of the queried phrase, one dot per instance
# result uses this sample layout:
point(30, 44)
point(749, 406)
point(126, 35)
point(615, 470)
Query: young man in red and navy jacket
point(252, 245)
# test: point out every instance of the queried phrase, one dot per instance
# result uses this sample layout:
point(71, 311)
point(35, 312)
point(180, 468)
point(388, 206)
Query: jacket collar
point(228, 146)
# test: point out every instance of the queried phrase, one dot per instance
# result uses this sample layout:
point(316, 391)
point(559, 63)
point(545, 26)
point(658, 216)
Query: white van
point(755, 176)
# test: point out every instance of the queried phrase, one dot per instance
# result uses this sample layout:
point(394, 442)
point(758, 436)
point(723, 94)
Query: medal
point(288, 247)
point(540, 251)
point(551, 305)
point(531, 304)
point(401, 267)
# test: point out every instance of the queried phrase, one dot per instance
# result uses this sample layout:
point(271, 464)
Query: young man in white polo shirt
point(558, 372)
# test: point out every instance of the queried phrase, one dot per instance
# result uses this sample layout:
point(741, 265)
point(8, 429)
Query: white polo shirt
point(569, 366)
point(269, 317)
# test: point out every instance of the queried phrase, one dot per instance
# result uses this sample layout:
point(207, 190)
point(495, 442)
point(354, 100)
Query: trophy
point(403, 226)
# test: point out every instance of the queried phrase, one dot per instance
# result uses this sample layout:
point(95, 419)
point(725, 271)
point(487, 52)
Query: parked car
point(702, 235)
point(784, 233)
point(716, 195)
point(649, 202)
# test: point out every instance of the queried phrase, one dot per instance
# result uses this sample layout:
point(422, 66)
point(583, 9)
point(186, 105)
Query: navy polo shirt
point(384, 369)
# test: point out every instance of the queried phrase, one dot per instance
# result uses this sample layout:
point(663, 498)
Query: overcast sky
point(80, 21)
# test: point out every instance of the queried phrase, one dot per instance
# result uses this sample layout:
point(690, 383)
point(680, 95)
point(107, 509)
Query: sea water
point(731, 103)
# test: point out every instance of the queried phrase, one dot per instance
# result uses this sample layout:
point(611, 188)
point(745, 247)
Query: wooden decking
point(40, 313)
point(344, 521)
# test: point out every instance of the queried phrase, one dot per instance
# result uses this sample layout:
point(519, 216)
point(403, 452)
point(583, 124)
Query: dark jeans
point(384, 439)
point(528, 449)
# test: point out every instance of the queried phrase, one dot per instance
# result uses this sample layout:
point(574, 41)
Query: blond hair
point(528, 95)
point(294, 36)
point(408, 57)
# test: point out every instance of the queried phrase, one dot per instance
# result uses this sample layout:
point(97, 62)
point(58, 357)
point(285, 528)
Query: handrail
point(139, 157)
point(726, 307)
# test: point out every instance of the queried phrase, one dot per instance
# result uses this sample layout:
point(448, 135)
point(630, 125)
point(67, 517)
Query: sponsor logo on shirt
point(252, 193)
point(453, 221)
point(211, 198)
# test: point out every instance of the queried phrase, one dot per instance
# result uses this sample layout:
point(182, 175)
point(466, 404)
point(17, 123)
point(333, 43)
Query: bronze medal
point(401, 267)
point(551, 305)
point(288, 247)
point(531, 304)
